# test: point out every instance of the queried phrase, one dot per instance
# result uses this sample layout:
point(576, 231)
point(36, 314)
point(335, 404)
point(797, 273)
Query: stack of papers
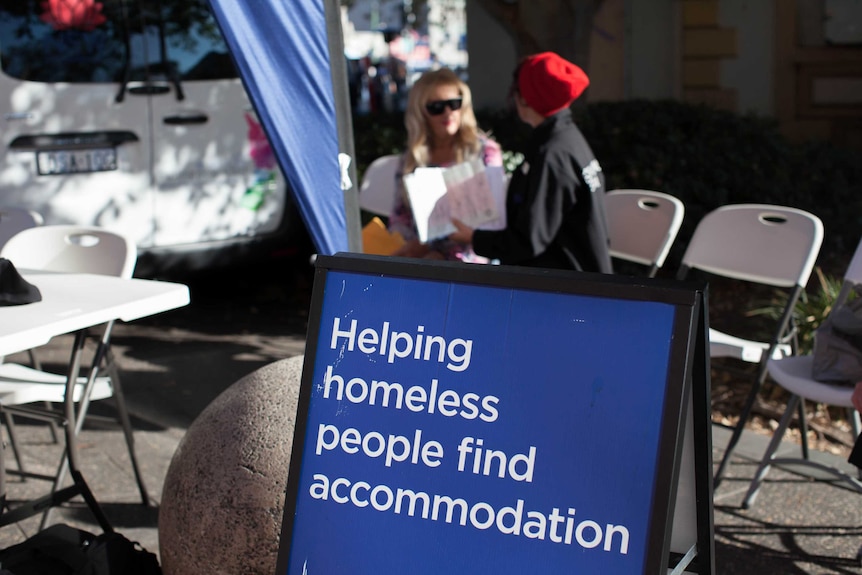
point(470, 192)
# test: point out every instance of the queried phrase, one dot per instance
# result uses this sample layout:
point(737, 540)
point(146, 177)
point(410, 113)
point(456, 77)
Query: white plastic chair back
point(765, 244)
point(377, 191)
point(854, 270)
point(64, 248)
point(14, 220)
point(643, 225)
point(772, 245)
point(853, 276)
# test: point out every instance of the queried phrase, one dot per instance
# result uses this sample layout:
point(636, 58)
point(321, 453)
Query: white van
point(130, 115)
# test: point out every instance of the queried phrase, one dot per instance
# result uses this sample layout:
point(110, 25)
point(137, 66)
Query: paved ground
point(795, 525)
point(176, 364)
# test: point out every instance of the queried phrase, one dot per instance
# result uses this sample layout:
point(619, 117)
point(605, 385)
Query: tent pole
point(344, 120)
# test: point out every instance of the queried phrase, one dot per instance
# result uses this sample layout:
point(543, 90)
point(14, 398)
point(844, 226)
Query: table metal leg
point(2, 472)
point(104, 354)
point(71, 430)
point(59, 495)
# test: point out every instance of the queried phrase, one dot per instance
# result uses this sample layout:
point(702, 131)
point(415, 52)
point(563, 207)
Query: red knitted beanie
point(548, 83)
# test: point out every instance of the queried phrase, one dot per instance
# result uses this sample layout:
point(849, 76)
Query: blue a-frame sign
point(486, 419)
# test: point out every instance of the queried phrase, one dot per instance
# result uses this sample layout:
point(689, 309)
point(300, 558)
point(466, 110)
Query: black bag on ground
point(837, 354)
point(64, 550)
point(114, 554)
point(58, 549)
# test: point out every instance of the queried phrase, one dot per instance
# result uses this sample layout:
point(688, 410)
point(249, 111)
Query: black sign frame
point(688, 384)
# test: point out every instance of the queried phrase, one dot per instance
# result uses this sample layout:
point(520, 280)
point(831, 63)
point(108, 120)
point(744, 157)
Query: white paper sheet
point(470, 192)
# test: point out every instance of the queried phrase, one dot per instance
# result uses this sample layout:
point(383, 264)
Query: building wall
point(492, 58)
point(653, 67)
point(818, 85)
point(607, 69)
point(750, 73)
point(706, 45)
point(760, 56)
point(626, 61)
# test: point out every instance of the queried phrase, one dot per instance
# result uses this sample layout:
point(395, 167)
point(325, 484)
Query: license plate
point(76, 161)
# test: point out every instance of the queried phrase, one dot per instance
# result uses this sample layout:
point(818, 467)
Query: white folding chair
point(761, 244)
point(14, 220)
point(71, 249)
point(642, 225)
point(377, 191)
point(795, 375)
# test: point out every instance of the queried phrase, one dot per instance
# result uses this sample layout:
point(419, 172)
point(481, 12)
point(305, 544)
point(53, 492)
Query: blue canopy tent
point(290, 55)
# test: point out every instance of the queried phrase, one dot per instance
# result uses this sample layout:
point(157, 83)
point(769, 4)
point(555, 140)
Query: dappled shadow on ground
point(753, 558)
point(122, 515)
point(748, 544)
point(796, 524)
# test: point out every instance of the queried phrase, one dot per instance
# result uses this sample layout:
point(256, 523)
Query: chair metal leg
point(13, 440)
point(52, 425)
point(803, 428)
point(34, 361)
point(766, 462)
point(94, 506)
point(122, 418)
point(785, 330)
point(737, 431)
point(125, 421)
point(36, 364)
point(3, 504)
point(72, 428)
point(770, 459)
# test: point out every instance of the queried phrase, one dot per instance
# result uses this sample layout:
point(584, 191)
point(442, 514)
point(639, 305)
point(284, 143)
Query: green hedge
point(708, 158)
point(703, 156)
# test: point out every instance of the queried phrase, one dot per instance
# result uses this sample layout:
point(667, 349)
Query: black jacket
point(555, 214)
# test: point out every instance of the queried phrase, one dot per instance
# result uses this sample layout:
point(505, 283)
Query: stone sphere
point(223, 495)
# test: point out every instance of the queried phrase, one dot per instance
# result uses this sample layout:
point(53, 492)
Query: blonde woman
point(441, 131)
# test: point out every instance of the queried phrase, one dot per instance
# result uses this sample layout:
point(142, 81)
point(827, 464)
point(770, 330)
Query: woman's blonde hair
point(415, 119)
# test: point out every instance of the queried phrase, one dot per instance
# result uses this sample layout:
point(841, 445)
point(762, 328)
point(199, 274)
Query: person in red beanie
point(555, 212)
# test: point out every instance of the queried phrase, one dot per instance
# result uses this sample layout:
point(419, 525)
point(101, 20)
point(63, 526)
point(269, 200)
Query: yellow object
point(377, 240)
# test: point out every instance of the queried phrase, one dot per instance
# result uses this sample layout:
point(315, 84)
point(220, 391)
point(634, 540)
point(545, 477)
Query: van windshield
point(90, 41)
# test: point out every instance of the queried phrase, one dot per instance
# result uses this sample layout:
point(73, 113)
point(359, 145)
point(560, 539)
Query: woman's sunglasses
point(437, 107)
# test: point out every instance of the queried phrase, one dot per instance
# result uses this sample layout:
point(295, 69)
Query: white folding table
point(72, 303)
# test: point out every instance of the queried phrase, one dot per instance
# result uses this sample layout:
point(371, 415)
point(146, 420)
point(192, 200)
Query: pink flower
point(261, 152)
point(64, 14)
